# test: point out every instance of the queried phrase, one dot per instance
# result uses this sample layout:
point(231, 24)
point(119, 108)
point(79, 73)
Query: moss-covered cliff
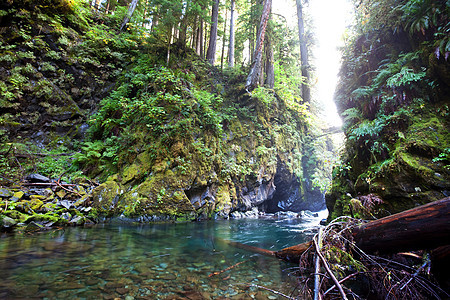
point(91, 106)
point(394, 98)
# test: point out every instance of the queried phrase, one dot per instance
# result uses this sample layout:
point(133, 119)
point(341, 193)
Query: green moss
point(106, 196)
point(48, 217)
point(130, 173)
point(16, 215)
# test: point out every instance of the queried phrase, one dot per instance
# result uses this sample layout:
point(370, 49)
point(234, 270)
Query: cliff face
point(52, 73)
point(83, 102)
point(394, 98)
point(208, 153)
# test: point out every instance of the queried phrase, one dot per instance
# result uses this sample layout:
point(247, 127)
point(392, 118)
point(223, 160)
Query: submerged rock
point(33, 226)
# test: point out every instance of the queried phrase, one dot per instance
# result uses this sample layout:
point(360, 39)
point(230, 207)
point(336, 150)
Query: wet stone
point(122, 291)
point(7, 222)
point(5, 193)
point(37, 178)
point(33, 226)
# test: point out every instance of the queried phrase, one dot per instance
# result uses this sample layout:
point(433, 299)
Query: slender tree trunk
point(131, 9)
point(194, 34)
point(168, 46)
point(231, 41)
point(211, 53)
point(270, 72)
point(306, 93)
point(200, 39)
point(224, 38)
point(253, 76)
point(155, 19)
point(251, 45)
point(205, 40)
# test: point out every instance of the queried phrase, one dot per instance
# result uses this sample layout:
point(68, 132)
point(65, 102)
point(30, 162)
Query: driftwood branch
point(227, 269)
point(341, 281)
point(47, 184)
point(317, 268)
point(273, 291)
point(325, 264)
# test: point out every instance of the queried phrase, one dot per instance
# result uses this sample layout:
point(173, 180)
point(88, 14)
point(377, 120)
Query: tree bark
point(199, 42)
point(306, 93)
point(253, 76)
point(423, 227)
point(224, 39)
point(211, 53)
point(270, 71)
point(127, 18)
point(231, 41)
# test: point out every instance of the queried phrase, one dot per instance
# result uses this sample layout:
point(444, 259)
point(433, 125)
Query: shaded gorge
point(153, 261)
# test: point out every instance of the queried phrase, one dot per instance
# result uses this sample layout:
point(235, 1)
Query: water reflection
point(161, 261)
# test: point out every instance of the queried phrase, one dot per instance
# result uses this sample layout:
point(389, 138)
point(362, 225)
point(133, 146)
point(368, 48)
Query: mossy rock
point(6, 222)
point(5, 193)
point(131, 173)
point(47, 207)
point(48, 217)
point(16, 215)
point(106, 196)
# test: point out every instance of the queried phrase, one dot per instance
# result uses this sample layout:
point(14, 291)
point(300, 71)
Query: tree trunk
point(306, 93)
point(270, 72)
point(155, 20)
point(253, 76)
point(224, 38)
point(231, 41)
point(199, 42)
point(211, 53)
point(205, 40)
point(193, 43)
point(131, 9)
point(168, 46)
point(423, 227)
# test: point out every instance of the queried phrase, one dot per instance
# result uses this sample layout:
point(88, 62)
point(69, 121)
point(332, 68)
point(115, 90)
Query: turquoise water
point(161, 261)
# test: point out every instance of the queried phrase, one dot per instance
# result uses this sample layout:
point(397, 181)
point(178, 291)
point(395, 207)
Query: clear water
point(161, 261)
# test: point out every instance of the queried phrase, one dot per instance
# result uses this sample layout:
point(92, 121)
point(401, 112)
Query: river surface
point(156, 261)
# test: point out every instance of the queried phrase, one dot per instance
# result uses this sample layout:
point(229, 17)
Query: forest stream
point(154, 261)
point(186, 120)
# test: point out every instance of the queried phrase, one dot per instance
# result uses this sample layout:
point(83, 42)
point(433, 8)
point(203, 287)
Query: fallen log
point(423, 227)
point(292, 253)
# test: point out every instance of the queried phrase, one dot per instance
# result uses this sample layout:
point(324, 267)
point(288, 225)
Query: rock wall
point(394, 98)
point(237, 176)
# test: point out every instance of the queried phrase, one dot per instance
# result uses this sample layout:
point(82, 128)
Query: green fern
point(362, 92)
point(352, 114)
point(405, 77)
